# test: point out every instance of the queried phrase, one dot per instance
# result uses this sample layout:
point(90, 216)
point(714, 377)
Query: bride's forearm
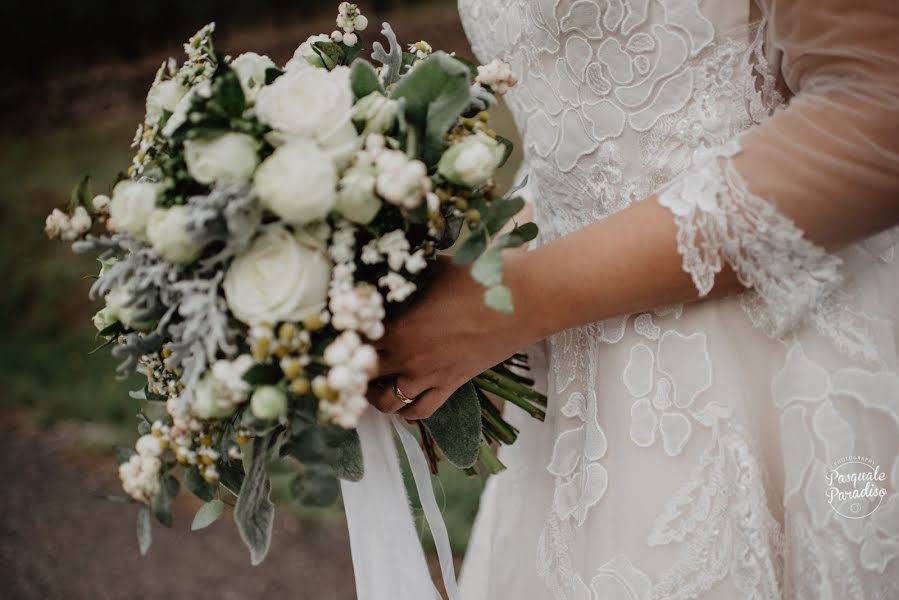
point(623, 264)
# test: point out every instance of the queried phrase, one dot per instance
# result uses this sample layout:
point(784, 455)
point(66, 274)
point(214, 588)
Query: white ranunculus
point(356, 198)
point(473, 161)
point(164, 96)
point(377, 112)
point(305, 55)
point(119, 306)
point(298, 182)
point(211, 399)
point(250, 68)
point(228, 158)
point(278, 278)
point(132, 204)
point(104, 318)
point(307, 102)
point(168, 234)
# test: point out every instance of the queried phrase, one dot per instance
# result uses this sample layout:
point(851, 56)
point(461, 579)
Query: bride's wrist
point(530, 319)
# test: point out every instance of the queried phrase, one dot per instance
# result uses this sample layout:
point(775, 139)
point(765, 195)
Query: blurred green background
point(75, 80)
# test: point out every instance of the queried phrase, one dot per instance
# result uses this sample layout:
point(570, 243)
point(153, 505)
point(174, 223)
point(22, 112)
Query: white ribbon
point(388, 560)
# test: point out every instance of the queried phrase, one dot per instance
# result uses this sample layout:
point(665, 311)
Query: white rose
point(307, 102)
point(305, 55)
point(250, 68)
point(356, 198)
point(167, 233)
point(164, 96)
point(228, 158)
point(119, 306)
point(473, 161)
point(297, 182)
point(278, 278)
point(132, 204)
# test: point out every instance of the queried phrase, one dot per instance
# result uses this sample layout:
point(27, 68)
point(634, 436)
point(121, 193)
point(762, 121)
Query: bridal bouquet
point(271, 221)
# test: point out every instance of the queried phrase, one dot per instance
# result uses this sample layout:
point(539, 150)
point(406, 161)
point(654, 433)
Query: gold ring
point(401, 396)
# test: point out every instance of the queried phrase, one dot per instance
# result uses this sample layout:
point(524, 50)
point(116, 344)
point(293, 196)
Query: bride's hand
point(443, 340)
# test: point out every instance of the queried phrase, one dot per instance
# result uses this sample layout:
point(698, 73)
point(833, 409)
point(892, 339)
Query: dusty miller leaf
point(144, 530)
point(254, 512)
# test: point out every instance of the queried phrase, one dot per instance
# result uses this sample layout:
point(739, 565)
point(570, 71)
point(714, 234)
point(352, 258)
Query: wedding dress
point(686, 451)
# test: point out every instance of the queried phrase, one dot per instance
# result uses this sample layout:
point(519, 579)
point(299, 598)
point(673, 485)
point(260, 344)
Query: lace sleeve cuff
point(718, 217)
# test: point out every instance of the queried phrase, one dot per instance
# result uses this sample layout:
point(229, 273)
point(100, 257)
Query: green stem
point(498, 428)
point(489, 460)
point(489, 386)
point(514, 386)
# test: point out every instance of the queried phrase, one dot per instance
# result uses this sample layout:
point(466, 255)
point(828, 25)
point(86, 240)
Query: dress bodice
point(618, 96)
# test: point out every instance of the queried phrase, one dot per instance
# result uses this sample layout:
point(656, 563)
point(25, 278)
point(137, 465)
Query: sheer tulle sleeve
point(820, 173)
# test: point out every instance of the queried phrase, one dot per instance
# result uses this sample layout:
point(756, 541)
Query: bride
point(712, 305)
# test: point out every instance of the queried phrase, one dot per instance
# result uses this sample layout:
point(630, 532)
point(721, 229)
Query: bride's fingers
point(383, 396)
point(425, 405)
point(387, 364)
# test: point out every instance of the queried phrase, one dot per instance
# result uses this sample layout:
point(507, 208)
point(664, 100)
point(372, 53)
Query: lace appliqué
point(719, 218)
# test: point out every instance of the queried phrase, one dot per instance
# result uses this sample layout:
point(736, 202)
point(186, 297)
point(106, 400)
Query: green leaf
point(144, 530)
point(161, 503)
point(500, 211)
point(509, 147)
point(207, 515)
point(81, 195)
point(315, 486)
point(331, 53)
point(231, 475)
point(271, 74)
point(263, 374)
point(154, 410)
point(488, 269)
point(472, 247)
point(122, 454)
point(456, 427)
point(198, 486)
point(436, 91)
point(227, 96)
point(346, 455)
point(499, 298)
point(517, 237)
point(143, 425)
point(254, 512)
point(364, 79)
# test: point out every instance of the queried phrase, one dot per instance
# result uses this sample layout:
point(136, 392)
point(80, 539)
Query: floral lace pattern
point(617, 99)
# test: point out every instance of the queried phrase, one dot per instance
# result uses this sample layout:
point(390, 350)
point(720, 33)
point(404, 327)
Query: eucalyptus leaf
point(451, 232)
point(499, 298)
point(227, 96)
point(364, 79)
point(500, 211)
point(161, 503)
point(488, 268)
point(81, 195)
point(509, 147)
point(517, 237)
point(473, 246)
point(207, 514)
point(456, 427)
point(144, 530)
point(154, 410)
point(436, 92)
point(254, 512)
point(198, 486)
point(315, 486)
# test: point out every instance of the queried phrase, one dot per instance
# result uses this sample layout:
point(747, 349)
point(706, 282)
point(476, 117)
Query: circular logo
point(855, 487)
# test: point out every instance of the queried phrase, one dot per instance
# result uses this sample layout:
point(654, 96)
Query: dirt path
point(61, 537)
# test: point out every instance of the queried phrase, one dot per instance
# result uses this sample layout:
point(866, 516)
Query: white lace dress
point(686, 451)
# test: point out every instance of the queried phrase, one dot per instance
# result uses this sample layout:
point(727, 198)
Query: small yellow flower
point(300, 386)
